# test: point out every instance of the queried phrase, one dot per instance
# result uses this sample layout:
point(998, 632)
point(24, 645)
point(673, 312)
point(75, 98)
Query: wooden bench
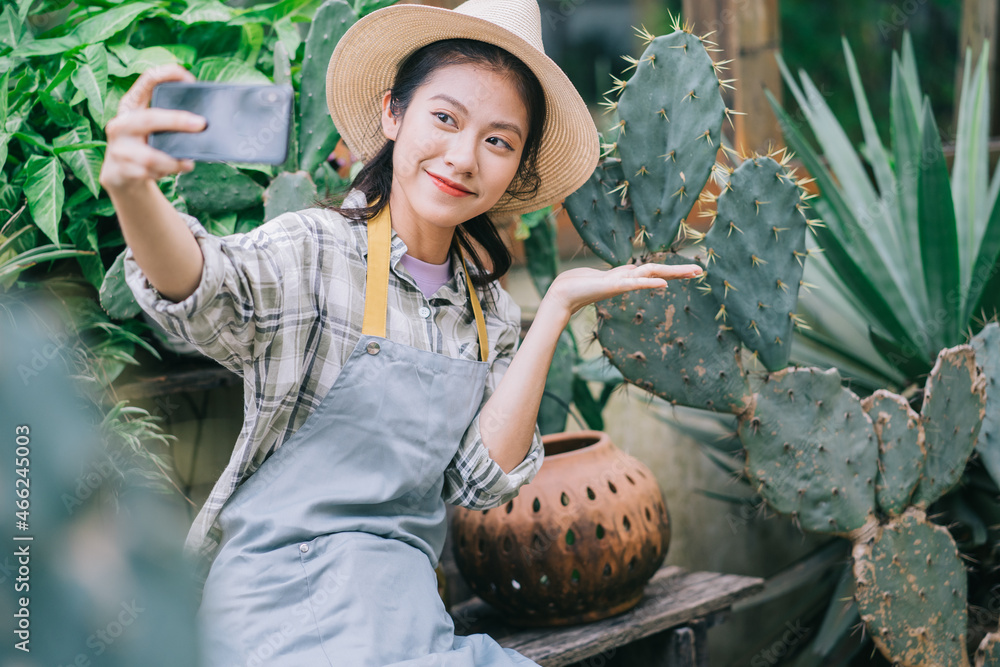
point(668, 628)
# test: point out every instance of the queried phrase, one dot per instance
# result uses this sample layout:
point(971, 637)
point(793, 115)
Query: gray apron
point(328, 550)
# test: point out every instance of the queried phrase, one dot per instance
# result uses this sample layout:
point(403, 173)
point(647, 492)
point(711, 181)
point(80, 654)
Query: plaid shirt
point(282, 306)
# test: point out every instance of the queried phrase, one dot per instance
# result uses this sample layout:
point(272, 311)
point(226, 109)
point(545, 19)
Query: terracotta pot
point(577, 544)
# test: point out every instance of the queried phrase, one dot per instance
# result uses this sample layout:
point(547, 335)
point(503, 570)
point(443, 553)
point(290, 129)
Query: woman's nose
point(461, 154)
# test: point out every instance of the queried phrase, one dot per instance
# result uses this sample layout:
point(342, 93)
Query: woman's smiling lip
point(450, 187)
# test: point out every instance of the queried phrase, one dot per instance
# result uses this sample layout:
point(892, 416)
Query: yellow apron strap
point(377, 283)
point(484, 348)
point(377, 280)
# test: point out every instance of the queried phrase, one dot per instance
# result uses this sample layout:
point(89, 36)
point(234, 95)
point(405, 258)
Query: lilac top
point(429, 277)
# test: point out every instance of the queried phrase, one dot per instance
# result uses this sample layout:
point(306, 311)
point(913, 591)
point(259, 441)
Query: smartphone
point(246, 122)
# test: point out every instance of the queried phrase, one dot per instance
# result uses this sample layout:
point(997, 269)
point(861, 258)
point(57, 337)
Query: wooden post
point(749, 33)
point(979, 22)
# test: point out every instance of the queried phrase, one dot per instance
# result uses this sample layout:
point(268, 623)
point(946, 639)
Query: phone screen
point(246, 123)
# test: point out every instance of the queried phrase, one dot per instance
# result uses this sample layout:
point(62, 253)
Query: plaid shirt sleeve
point(473, 479)
point(234, 313)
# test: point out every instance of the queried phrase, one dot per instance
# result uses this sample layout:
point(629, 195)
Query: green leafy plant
point(60, 87)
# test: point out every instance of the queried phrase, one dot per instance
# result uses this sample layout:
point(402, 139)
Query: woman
point(323, 533)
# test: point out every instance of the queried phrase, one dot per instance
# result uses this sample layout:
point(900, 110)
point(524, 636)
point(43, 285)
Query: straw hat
point(366, 59)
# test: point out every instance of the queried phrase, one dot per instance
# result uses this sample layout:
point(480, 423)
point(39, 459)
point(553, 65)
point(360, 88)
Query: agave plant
point(911, 251)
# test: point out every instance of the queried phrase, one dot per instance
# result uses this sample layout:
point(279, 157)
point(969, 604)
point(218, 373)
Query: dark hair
point(375, 178)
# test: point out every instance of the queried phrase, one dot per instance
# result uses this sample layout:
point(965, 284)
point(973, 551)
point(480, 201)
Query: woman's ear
point(390, 123)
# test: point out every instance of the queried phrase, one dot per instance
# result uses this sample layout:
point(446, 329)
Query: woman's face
point(465, 124)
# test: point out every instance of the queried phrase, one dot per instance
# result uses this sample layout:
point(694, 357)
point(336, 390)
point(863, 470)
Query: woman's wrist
point(554, 308)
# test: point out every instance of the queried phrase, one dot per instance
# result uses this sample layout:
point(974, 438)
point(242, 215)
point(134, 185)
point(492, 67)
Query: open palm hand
point(575, 288)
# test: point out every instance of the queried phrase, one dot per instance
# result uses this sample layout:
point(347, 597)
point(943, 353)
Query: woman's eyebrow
point(499, 125)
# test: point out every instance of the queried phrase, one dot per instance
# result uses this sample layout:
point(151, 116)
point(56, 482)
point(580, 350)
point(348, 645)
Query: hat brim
point(364, 64)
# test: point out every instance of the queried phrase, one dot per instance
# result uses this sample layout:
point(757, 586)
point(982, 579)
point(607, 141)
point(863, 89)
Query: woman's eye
point(444, 118)
point(509, 147)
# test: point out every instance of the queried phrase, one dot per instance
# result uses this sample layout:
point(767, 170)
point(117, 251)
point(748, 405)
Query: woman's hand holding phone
point(162, 245)
point(129, 159)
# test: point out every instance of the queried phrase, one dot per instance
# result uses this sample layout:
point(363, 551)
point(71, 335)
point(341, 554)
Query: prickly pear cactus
point(952, 414)
point(810, 450)
point(686, 345)
point(216, 187)
point(910, 581)
point(901, 450)
point(317, 134)
point(911, 591)
point(289, 192)
point(668, 339)
point(606, 224)
point(755, 251)
point(670, 116)
point(987, 346)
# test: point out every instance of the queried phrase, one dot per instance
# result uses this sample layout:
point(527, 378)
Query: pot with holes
point(576, 545)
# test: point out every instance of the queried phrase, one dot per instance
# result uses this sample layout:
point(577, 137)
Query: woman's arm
point(508, 419)
point(161, 242)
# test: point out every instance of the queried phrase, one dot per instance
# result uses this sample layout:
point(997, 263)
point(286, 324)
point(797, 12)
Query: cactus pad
point(755, 253)
point(901, 450)
point(666, 341)
point(216, 187)
point(317, 134)
point(952, 414)
point(289, 192)
point(811, 450)
point(603, 219)
point(910, 591)
point(987, 346)
point(988, 653)
point(670, 123)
